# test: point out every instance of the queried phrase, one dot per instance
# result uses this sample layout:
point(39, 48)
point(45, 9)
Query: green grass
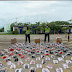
point(15, 34)
point(10, 34)
point(21, 34)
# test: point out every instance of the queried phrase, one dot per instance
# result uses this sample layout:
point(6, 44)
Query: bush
point(23, 32)
point(31, 33)
point(2, 29)
point(15, 32)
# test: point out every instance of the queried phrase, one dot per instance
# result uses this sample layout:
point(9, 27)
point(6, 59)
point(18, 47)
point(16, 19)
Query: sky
point(33, 11)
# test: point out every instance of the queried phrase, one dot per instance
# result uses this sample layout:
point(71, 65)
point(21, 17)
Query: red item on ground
point(11, 54)
point(23, 56)
point(0, 52)
point(49, 49)
point(34, 45)
point(18, 49)
point(37, 51)
point(47, 54)
point(33, 49)
point(22, 50)
point(11, 49)
point(65, 46)
point(50, 46)
point(45, 48)
point(54, 45)
point(29, 51)
point(20, 54)
point(60, 52)
point(4, 57)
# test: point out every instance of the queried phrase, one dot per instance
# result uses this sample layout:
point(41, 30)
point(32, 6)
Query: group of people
point(27, 34)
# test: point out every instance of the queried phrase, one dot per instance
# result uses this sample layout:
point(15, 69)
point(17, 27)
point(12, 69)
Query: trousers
point(27, 36)
point(46, 34)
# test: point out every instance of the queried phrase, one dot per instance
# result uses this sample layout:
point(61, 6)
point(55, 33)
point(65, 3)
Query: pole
point(68, 37)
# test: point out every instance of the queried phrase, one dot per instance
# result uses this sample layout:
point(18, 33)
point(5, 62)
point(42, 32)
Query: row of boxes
point(37, 40)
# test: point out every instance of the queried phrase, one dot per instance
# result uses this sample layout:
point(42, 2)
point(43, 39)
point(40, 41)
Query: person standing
point(47, 30)
point(27, 34)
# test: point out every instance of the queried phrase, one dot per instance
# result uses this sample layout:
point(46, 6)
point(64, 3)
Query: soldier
point(47, 30)
point(27, 34)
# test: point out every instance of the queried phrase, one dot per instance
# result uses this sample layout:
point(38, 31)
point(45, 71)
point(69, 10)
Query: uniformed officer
point(47, 30)
point(27, 34)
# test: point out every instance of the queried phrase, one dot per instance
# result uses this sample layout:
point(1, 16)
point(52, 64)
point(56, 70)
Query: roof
point(19, 26)
point(24, 25)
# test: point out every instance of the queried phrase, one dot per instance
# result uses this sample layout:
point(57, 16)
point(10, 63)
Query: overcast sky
point(32, 11)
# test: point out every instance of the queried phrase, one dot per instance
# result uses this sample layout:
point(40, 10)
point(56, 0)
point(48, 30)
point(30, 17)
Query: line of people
point(27, 34)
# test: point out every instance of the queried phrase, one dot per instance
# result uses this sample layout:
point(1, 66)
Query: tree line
point(55, 26)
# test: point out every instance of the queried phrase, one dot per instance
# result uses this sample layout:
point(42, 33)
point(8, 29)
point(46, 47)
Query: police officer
point(47, 30)
point(27, 34)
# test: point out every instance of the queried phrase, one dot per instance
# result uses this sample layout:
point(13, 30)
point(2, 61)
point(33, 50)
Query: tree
point(70, 20)
point(12, 26)
point(2, 29)
point(37, 23)
point(19, 23)
point(25, 24)
point(43, 24)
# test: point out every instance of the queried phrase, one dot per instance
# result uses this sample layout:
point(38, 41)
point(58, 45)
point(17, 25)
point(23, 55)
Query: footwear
point(33, 56)
point(51, 52)
point(16, 59)
point(1, 65)
point(32, 69)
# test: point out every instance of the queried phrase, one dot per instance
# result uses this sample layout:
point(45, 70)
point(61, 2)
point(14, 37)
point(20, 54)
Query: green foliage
point(68, 27)
point(12, 26)
point(23, 32)
point(2, 29)
point(15, 32)
point(60, 23)
point(70, 20)
point(64, 28)
point(31, 32)
point(37, 23)
point(30, 27)
point(19, 23)
point(54, 26)
point(26, 24)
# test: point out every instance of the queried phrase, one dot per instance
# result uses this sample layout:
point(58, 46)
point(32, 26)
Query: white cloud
point(25, 8)
point(34, 11)
point(39, 4)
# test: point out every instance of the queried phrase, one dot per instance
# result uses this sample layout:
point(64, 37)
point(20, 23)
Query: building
point(19, 28)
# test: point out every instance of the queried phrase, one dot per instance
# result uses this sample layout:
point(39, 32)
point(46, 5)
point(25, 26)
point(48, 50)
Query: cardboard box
point(13, 41)
point(37, 41)
point(59, 40)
